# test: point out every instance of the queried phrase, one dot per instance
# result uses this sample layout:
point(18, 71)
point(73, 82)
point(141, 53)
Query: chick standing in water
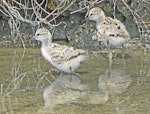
point(110, 31)
point(64, 58)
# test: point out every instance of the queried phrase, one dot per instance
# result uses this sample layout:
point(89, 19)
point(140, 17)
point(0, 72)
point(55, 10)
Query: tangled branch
point(39, 13)
point(140, 20)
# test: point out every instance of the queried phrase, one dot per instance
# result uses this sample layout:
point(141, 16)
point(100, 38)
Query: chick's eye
point(38, 34)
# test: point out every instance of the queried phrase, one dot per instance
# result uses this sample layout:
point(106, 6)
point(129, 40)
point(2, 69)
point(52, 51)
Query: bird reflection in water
point(64, 89)
point(114, 81)
point(68, 88)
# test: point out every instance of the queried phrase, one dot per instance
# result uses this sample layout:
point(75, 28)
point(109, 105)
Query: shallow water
point(30, 85)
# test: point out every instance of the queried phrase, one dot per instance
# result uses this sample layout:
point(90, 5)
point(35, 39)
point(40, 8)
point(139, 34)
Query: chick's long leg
point(123, 51)
point(110, 52)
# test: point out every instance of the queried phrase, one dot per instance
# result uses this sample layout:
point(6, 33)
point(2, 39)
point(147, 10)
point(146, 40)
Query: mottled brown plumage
point(64, 58)
point(111, 31)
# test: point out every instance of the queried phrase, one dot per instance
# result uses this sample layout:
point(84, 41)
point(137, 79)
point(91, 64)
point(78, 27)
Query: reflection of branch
point(16, 73)
point(23, 78)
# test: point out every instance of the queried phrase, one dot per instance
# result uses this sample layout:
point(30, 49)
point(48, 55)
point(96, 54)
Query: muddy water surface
point(30, 85)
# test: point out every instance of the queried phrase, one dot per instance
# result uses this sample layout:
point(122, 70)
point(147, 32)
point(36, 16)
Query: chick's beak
point(32, 39)
point(84, 20)
point(86, 17)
